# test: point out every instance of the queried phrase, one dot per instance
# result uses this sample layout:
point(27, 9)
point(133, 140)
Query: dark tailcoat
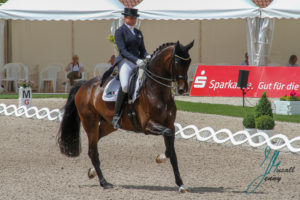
point(130, 46)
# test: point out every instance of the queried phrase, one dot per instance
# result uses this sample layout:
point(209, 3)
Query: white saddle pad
point(112, 88)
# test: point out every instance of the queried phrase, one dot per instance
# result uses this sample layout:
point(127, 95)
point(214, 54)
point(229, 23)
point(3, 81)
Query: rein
point(174, 78)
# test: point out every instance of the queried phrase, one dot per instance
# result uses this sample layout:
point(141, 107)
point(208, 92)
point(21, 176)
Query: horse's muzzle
point(182, 87)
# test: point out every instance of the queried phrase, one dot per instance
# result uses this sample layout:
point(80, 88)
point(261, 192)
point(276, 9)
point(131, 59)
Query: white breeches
point(126, 68)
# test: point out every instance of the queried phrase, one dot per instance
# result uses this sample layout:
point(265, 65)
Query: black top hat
point(130, 12)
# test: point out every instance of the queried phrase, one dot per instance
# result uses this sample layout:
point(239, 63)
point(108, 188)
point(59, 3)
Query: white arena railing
point(32, 112)
point(188, 132)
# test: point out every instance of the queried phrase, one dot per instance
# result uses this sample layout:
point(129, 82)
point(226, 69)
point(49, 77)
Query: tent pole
point(200, 42)
point(72, 38)
point(8, 41)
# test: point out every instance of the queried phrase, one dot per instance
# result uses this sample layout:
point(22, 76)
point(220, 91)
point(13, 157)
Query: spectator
point(245, 62)
point(293, 61)
point(75, 69)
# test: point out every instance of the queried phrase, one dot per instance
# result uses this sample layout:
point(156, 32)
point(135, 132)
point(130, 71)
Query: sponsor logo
point(200, 81)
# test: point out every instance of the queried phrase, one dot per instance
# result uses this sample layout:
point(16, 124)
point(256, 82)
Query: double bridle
point(174, 79)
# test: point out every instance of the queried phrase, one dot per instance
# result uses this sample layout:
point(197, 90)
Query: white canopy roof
point(61, 9)
point(197, 9)
point(282, 9)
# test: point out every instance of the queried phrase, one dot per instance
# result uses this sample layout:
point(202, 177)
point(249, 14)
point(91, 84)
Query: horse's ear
point(190, 45)
point(177, 44)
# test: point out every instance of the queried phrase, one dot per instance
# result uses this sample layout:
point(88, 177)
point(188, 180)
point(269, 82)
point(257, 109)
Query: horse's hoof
point(92, 173)
point(161, 158)
point(107, 186)
point(182, 189)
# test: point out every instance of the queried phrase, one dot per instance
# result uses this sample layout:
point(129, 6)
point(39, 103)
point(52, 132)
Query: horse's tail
point(69, 131)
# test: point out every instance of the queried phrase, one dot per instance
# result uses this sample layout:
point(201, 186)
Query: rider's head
point(130, 15)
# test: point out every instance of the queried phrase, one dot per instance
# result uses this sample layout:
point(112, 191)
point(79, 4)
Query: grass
point(217, 109)
point(228, 110)
point(37, 96)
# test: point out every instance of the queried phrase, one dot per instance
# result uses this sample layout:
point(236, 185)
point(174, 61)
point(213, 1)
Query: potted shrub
point(288, 105)
point(249, 125)
point(265, 124)
point(263, 107)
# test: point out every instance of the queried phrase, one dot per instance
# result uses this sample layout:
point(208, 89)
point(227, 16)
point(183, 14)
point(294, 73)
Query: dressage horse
point(155, 108)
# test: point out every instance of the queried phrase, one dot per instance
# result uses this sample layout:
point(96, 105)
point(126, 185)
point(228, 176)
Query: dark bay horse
point(155, 108)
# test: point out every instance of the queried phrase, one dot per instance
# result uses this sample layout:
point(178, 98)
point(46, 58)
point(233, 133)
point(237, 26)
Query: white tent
point(57, 10)
point(197, 9)
point(282, 9)
point(61, 9)
point(258, 49)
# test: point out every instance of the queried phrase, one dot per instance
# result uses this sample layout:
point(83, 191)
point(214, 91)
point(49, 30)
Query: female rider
point(132, 50)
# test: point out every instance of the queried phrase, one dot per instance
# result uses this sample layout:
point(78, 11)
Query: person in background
point(75, 69)
point(245, 62)
point(293, 61)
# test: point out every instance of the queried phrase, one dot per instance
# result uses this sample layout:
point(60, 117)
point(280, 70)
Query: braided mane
point(161, 47)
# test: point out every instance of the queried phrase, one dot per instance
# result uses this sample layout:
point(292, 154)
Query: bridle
point(174, 78)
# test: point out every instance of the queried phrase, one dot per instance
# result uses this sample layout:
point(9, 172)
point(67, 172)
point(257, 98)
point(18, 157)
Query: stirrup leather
point(116, 122)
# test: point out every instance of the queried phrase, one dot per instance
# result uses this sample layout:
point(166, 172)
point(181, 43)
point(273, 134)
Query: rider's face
point(131, 21)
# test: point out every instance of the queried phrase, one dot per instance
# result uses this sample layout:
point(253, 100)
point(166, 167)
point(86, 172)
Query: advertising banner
point(223, 80)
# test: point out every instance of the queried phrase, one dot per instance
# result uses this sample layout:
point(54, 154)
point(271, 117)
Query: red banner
point(222, 81)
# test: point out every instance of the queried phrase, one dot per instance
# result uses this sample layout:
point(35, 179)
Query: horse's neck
point(160, 66)
point(154, 88)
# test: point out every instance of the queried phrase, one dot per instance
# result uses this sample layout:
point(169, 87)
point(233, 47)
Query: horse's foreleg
point(170, 153)
point(157, 129)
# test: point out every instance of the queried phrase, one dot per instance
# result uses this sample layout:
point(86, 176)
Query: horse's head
point(170, 63)
point(180, 62)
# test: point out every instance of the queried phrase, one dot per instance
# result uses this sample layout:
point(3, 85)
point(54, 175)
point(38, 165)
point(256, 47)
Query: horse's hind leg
point(104, 129)
point(90, 124)
point(170, 153)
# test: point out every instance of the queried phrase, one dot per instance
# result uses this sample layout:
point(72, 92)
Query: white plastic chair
point(100, 68)
point(67, 83)
point(49, 73)
point(13, 72)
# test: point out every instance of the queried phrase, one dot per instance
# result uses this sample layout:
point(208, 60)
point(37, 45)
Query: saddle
point(111, 91)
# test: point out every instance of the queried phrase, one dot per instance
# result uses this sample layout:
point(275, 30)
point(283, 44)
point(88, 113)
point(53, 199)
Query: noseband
point(175, 78)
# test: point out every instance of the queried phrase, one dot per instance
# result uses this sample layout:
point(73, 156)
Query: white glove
point(148, 57)
point(140, 63)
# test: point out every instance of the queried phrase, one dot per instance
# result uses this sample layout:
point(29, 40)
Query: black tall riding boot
point(118, 108)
